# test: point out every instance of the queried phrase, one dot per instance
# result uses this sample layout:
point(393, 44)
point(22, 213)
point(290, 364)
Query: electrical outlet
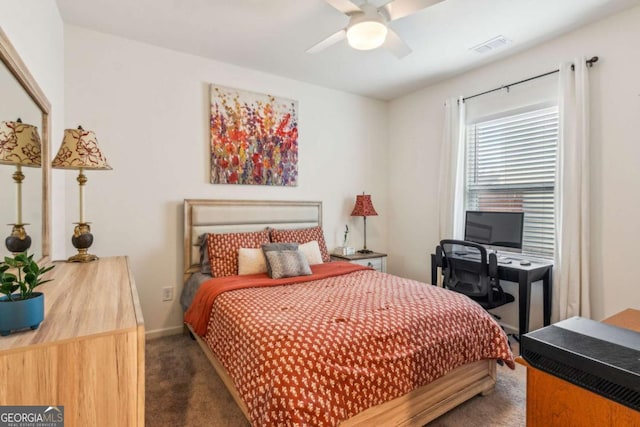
point(167, 293)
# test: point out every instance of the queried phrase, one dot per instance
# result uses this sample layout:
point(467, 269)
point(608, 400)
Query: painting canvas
point(254, 138)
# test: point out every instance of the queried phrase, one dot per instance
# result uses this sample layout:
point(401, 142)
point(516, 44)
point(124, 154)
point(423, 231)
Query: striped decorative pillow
point(277, 247)
point(287, 264)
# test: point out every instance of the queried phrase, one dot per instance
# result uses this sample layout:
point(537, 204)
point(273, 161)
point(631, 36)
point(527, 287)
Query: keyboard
point(476, 257)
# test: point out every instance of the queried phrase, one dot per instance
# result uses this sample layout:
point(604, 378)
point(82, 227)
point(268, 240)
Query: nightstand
point(373, 259)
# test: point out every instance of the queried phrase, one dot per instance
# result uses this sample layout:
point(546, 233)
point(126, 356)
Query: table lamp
point(19, 146)
point(79, 150)
point(364, 208)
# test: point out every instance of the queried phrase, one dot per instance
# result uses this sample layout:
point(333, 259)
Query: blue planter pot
point(21, 314)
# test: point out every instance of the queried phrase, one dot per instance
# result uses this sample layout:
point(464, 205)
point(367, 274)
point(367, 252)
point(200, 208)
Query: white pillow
point(311, 251)
point(251, 261)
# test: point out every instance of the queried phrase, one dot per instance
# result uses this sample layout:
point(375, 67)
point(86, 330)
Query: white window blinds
point(511, 166)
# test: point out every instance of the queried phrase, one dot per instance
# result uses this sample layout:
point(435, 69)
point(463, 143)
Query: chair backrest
point(465, 268)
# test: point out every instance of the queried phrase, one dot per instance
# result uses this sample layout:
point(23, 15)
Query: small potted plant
point(23, 309)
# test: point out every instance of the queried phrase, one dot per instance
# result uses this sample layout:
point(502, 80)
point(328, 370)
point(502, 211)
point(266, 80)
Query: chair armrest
point(493, 266)
point(438, 256)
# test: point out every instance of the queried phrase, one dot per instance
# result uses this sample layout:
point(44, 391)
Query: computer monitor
point(495, 229)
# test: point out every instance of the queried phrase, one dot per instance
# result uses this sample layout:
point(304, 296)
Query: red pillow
point(223, 250)
point(302, 235)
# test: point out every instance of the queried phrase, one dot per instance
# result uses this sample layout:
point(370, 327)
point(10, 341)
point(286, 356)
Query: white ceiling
point(273, 35)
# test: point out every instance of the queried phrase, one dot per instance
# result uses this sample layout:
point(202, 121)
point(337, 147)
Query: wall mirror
point(22, 98)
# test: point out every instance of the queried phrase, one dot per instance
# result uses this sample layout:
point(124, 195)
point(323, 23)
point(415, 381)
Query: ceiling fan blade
point(400, 8)
point(345, 6)
point(396, 45)
point(331, 40)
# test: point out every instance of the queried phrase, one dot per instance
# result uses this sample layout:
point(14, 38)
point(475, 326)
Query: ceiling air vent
point(491, 44)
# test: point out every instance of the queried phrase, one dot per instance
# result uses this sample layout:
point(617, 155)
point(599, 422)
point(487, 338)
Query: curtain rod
point(590, 63)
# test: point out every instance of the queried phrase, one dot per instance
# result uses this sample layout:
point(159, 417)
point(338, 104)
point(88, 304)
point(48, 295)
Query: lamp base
point(19, 241)
point(82, 240)
point(365, 251)
point(82, 257)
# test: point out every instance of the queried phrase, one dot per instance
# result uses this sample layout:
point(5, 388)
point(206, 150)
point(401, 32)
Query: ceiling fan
point(368, 26)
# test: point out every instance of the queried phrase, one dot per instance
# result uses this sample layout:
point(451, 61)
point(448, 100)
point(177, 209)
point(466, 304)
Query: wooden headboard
point(232, 216)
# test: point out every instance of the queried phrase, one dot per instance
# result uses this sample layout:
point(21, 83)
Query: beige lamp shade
point(20, 144)
point(79, 150)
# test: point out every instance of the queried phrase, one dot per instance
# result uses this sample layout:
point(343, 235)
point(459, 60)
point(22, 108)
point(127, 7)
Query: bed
point(350, 382)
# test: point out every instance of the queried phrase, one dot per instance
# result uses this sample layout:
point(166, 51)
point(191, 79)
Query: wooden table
point(552, 401)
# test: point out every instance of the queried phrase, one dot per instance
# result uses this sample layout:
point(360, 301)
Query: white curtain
point(451, 180)
point(571, 268)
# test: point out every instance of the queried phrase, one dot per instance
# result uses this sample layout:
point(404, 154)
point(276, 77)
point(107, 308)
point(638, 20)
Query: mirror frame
point(10, 57)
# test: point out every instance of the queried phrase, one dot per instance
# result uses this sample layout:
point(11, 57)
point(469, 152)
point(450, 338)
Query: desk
point(523, 276)
point(552, 401)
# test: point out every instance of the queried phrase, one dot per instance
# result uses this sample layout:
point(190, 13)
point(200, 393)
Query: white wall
point(416, 123)
point(35, 30)
point(149, 108)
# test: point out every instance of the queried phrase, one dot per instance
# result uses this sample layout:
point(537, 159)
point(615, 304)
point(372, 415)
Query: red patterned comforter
point(321, 351)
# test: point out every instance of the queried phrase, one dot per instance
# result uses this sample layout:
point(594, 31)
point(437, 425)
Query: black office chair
point(465, 270)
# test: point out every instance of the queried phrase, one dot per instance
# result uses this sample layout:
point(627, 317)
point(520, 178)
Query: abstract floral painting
point(254, 138)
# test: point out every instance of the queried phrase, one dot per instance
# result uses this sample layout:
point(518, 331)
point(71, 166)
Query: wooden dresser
point(88, 354)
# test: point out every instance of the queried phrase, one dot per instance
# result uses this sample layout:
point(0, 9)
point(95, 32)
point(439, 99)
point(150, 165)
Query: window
point(511, 166)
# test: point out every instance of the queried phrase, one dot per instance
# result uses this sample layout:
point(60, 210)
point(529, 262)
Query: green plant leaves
point(23, 263)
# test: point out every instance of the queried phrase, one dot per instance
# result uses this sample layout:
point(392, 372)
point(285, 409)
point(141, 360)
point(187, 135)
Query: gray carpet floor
point(182, 389)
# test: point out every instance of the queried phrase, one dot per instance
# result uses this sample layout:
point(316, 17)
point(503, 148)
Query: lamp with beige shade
point(79, 150)
point(19, 146)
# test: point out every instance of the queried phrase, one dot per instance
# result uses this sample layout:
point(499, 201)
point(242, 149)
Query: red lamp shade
point(363, 206)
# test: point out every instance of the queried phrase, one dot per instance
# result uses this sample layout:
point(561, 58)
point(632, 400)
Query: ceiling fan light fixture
point(367, 35)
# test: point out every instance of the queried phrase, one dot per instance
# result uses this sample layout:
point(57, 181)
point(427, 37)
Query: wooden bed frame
point(417, 407)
